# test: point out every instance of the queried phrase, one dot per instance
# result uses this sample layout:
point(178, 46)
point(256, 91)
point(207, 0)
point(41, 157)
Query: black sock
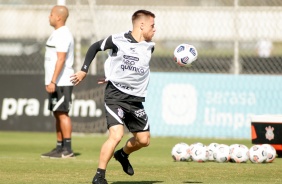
point(101, 172)
point(59, 145)
point(67, 143)
point(123, 153)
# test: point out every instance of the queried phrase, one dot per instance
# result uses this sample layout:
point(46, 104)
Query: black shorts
point(60, 100)
point(131, 114)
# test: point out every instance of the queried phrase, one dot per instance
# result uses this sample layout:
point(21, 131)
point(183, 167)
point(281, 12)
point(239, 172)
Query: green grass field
point(20, 163)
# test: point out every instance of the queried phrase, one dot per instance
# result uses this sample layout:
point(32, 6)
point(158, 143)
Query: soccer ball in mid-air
point(239, 153)
point(271, 152)
point(211, 148)
point(258, 154)
point(199, 152)
point(221, 153)
point(180, 152)
point(185, 54)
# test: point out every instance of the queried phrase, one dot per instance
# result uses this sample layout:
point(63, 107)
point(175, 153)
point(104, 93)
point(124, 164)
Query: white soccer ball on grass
point(199, 152)
point(258, 154)
point(211, 148)
point(271, 152)
point(221, 153)
point(239, 153)
point(180, 152)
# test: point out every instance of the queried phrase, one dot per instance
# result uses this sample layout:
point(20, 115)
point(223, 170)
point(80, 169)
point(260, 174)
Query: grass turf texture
point(20, 163)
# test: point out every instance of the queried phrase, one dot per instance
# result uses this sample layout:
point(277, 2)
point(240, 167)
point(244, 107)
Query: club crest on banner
point(269, 133)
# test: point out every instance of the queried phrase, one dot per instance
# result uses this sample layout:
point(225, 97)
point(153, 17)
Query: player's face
point(149, 29)
point(52, 18)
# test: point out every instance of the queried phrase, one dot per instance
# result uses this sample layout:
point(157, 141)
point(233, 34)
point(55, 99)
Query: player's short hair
point(140, 13)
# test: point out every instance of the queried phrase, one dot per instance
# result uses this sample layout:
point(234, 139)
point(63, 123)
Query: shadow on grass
point(136, 182)
point(148, 182)
point(77, 154)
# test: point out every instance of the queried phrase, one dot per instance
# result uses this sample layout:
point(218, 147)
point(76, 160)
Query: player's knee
point(116, 133)
point(116, 138)
point(144, 142)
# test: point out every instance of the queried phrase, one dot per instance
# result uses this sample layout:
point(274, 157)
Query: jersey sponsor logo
point(130, 60)
point(131, 57)
point(129, 66)
point(123, 86)
point(132, 68)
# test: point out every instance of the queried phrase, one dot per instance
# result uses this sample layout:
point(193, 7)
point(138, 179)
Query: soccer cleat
point(63, 153)
point(123, 160)
point(99, 179)
point(47, 155)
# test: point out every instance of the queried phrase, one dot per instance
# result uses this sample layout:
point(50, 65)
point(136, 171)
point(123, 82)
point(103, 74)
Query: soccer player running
point(127, 76)
point(58, 64)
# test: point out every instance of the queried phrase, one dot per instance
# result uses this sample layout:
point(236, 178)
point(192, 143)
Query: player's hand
point(77, 77)
point(50, 88)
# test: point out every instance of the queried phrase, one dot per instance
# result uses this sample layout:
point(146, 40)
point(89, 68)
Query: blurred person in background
point(127, 75)
point(59, 58)
point(264, 48)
